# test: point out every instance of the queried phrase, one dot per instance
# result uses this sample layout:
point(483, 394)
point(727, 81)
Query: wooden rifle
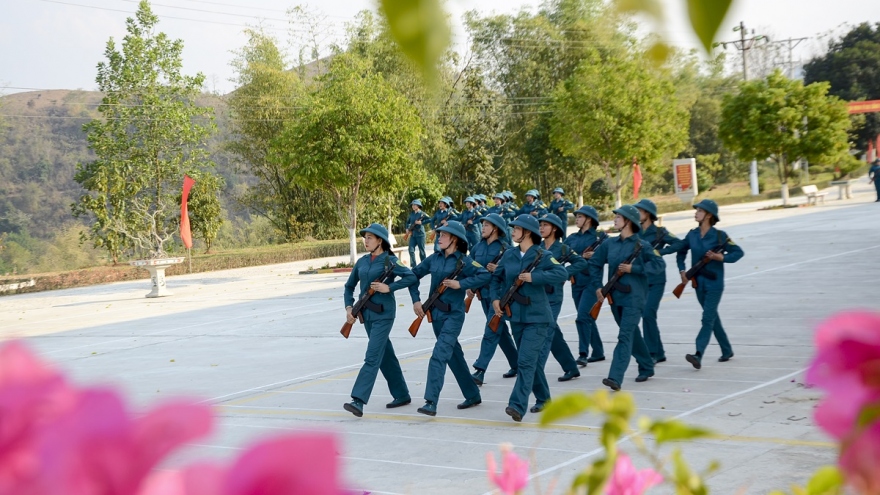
point(357, 309)
point(432, 300)
point(691, 275)
point(511, 292)
point(470, 299)
point(607, 288)
point(600, 238)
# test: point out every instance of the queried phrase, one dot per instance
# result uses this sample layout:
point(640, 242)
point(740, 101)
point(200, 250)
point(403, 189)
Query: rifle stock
point(468, 301)
point(346, 329)
point(679, 289)
point(494, 322)
point(594, 311)
point(414, 326)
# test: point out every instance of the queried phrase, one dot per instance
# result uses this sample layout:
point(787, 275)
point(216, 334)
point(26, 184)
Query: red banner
point(637, 179)
point(185, 234)
point(869, 106)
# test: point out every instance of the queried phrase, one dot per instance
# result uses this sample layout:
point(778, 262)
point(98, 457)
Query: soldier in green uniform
point(560, 206)
point(710, 281)
point(470, 218)
point(498, 208)
point(533, 205)
point(378, 315)
point(659, 238)
point(448, 313)
point(440, 217)
point(629, 294)
point(587, 220)
point(415, 229)
point(531, 316)
point(494, 242)
point(874, 176)
point(553, 232)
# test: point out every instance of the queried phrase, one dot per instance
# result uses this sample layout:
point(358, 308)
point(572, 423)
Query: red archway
point(869, 106)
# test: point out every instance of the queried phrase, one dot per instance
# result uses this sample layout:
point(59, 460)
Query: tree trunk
point(783, 179)
point(352, 244)
point(580, 192)
point(352, 229)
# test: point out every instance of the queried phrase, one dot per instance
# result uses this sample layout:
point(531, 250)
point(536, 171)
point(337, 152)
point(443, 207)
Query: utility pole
point(744, 44)
point(792, 44)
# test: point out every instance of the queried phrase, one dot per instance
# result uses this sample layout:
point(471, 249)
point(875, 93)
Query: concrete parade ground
point(262, 344)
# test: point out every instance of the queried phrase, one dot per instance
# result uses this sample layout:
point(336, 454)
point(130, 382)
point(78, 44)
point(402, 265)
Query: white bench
point(813, 194)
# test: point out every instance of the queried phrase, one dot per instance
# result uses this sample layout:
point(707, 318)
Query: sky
point(56, 44)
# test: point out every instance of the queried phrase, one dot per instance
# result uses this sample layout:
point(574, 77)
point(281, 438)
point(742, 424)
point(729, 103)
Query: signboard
point(685, 172)
point(864, 106)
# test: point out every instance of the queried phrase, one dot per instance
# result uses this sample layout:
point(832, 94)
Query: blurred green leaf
point(686, 479)
point(659, 53)
point(868, 415)
point(827, 480)
point(421, 29)
point(566, 406)
point(706, 17)
point(652, 8)
point(672, 429)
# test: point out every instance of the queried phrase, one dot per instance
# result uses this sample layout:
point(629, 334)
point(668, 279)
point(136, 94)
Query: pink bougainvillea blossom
point(859, 460)
point(514, 474)
point(627, 480)
point(847, 367)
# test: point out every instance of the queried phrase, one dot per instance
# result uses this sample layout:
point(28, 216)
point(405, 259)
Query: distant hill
point(41, 141)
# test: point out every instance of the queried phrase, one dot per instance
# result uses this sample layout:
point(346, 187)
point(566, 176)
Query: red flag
point(637, 178)
point(185, 234)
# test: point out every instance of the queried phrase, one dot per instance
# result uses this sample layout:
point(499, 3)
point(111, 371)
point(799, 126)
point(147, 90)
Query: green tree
point(613, 109)
point(781, 119)
point(203, 204)
point(355, 139)
point(150, 132)
point(268, 95)
point(852, 68)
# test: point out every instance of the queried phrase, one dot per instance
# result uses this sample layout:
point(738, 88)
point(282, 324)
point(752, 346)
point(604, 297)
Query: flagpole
point(190, 257)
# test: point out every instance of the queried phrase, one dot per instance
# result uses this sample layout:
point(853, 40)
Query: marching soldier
point(481, 204)
point(531, 316)
point(486, 252)
point(587, 220)
point(448, 313)
point(415, 230)
point(874, 176)
point(659, 238)
point(378, 315)
point(470, 218)
point(533, 205)
point(498, 208)
point(553, 232)
point(560, 206)
point(629, 294)
point(710, 281)
point(440, 217)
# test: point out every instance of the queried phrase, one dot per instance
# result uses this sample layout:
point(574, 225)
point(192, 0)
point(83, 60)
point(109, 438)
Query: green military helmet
point(555, 221)
point(559, 190)
point(510, 195)
point(455, 228)
point(588, 211)
point(470, 199)
point(630, 213)
point(649, 207)
point(533, 193)
point(417, 202)
point(482, 197)
point(708, 206)
point(500, 196)
point(379, 231)
point(447, 200)
point(527, 222)
point(496, 220)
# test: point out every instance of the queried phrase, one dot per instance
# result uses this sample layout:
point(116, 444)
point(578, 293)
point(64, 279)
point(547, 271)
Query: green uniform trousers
point(493, 340)
point(629, 344)
point(530, 339)
point(447, 352)
point(379, 357)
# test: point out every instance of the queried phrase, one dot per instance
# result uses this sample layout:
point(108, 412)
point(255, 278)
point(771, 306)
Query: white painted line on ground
point(250, 315)
point(320, 373)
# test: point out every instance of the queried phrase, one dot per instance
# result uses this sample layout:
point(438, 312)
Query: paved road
point(263, 345)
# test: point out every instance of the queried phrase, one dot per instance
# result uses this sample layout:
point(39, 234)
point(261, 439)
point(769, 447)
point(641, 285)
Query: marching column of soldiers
point(517, 261)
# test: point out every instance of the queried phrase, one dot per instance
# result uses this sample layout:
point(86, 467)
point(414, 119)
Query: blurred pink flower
point(290, 465)
point(847, 366)
point(32, 395)
point(626, 480)
point(859, 460)
point(514, 474)
point(100, 448)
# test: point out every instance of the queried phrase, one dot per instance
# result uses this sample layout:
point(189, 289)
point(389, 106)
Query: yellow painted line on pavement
point(507, 424)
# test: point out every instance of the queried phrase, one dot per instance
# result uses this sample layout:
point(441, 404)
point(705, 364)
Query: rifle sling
point(376, 308)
